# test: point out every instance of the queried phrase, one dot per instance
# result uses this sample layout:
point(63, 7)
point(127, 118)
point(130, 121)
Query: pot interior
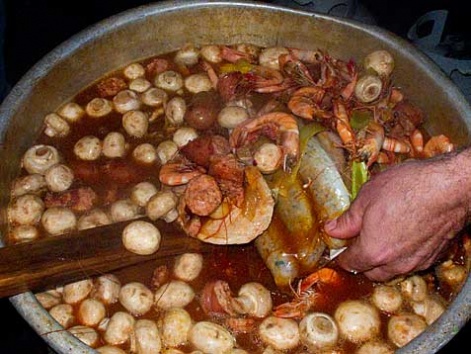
point(157, 29)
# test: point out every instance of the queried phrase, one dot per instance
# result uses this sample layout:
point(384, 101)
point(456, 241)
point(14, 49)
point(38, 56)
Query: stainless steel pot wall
point(165, 27)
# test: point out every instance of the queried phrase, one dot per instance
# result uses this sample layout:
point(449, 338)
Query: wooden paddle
point(53, 261)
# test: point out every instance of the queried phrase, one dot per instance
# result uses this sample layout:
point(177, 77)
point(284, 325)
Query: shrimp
point(179, 173)
point(396, 145)
point(242, 225)
point(265, 80)
point(296, 70)
point(343, 127)
point(438, 144)
point(417, 141)
point(305, 103)
point(281, 127)
point(372, 144)
point(305, 295)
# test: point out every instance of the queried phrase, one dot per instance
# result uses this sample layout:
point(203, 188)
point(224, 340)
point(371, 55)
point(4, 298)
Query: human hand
point(404, 217)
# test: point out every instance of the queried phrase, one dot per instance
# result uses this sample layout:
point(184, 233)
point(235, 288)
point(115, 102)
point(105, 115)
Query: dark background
point(33, 28)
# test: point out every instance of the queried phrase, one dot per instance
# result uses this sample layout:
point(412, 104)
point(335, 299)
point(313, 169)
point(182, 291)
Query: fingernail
point(330, 225)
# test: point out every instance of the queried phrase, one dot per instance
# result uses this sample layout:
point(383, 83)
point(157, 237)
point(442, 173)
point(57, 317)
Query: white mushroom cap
point(280, 333)
point(175, 293)
point(94, 218)
point(64, 314)
point(88, 148)
point(146, 337)
point(39, 158)
point(135, 123)
point(211, 53)
point(387, 298)
point(211, 338)
point(75, 292)
point(26, 210)
point(59, 178)
point(86, 334)
point(134, 71)
point(161, 204)
point(23, 233)
point(145, 153)
point(255, 299)
point(141, 237)
point(91, 312)
point(414, 288)
point(139, 85)
point(404, 327)
point(169, 80)
point(154, 97)
point(33, 184)
point(175, 325)
point(188, 55)
point(318, 331)
point(114, 145)
point(198, 83)
point(126, 101)
point(358, 321)
point(380, 61)
point(188, 266)
point(142, 192)
point(268, 158)
point(123, 210)
point(375, 347)
point(184, 135)
point(175, 110)
point(136, 298)
point(106, 289)
point(110, 349)
point(71, 111)
point(166, 151)
point(56, 126)
point(120, 328)
point(58, 220)
point(99, 107)
point(231, 116)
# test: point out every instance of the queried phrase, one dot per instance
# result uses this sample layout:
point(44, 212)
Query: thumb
point(347, 225)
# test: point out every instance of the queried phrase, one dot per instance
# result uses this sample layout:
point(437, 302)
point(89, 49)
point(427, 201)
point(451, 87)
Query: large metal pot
point(164, 27)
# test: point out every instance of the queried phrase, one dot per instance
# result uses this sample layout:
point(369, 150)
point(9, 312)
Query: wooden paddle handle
point(53, 261)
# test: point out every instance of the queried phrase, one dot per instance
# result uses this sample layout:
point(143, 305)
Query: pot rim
point(433, 338)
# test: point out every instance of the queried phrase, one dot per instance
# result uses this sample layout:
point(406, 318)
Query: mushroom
point(318, 331)
point(39, 158)
point(141, 237)
point(136, 298)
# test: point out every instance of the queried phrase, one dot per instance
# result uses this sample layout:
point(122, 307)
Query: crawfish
point(306, 295)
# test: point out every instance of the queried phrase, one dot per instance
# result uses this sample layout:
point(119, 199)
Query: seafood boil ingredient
point(402, 328)
point(357, 321)
point(146, 337)
point(141, 237)
point(318, 331)
point(231, 144)
point(211, 338)
point(39, 158)
point(136, 298)
point(280, 333)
